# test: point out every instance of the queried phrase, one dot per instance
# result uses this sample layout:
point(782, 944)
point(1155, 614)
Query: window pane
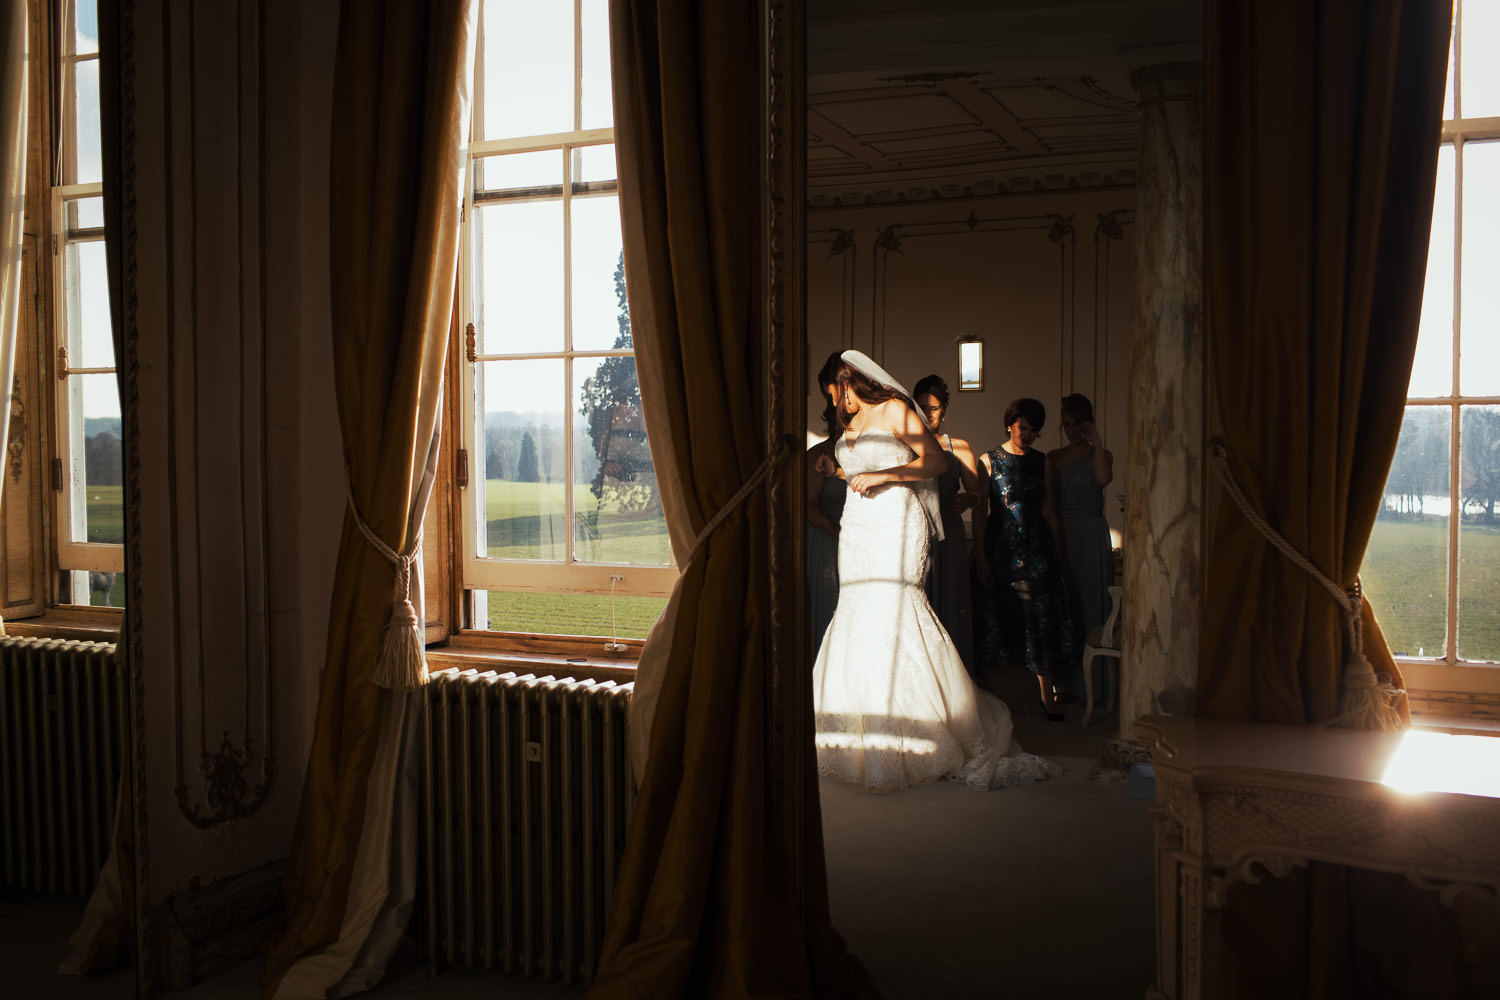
point(85, 27)
point(601, 319)
point(1432, 367)
point(82, 164)
point(518, 277)
point(96, 459)
point(528, 68)
point(519, 473)
point(86, 287)
point(85, 213)
point(1405, 572)
point(618, 507)
point(1479, 535)
point(598, 103)
point(1479, 372)
point(96, 588)
point(521, 170)
point(572, 614)
point(1479, 85)
point(594, 163)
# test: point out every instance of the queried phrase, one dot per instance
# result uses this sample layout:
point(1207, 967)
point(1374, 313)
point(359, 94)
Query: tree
point(526, 467)
point(610, 404)
point(1479, 461)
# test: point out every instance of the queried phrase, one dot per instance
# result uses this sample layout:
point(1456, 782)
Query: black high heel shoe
point(1053, 712)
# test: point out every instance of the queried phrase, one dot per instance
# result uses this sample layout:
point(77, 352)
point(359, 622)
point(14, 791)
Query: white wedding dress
point(894, 705)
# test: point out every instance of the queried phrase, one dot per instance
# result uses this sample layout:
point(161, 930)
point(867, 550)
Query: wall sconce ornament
point(970, 364)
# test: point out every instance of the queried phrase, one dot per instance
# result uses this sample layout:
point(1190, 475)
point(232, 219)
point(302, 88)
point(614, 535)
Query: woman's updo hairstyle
point(934, 386)
point(867, 389)
point(828, 375)
point(1032, 409)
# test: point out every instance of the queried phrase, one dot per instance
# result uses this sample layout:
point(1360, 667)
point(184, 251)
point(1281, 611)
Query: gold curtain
point(706, 904)
point(399, 115)
point(1322, 122)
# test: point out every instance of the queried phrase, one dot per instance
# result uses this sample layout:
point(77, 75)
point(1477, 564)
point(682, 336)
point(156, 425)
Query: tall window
point(563, 524)
point(87, 474)
point(1433, 565)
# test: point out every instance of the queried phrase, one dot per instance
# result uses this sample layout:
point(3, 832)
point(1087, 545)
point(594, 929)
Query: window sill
point(91, 624)
point(573, 656)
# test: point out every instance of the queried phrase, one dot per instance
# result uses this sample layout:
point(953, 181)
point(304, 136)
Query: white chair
point(1102, 641)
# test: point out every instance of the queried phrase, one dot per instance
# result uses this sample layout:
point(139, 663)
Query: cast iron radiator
point(63, 734)
point(527, 793)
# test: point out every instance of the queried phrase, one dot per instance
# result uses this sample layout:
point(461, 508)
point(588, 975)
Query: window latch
point(463, 468)
point(469, 351)
point(62, 364)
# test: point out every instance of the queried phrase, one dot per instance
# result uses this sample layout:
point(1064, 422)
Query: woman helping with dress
point(948, 588)
point(894, 705)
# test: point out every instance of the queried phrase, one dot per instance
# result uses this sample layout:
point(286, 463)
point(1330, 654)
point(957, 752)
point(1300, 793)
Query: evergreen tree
point(526, 465)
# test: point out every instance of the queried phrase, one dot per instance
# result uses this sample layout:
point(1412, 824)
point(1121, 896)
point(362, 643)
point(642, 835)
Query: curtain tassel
point(401, 663)
point(1367, 700)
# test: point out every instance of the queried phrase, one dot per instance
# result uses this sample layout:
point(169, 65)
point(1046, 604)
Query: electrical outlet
point(616, 578)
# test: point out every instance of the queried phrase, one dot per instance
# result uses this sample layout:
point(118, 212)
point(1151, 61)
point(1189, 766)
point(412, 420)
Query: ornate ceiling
point(964, 132)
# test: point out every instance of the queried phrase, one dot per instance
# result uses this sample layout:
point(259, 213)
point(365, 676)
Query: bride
point(894, 705)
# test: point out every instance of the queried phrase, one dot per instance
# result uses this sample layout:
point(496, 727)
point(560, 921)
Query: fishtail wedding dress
point(894, 705)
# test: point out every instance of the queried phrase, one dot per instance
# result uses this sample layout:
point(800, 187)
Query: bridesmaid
point(825, 505)
point(948, 588)
point(1027, 618)
point(1078, 473)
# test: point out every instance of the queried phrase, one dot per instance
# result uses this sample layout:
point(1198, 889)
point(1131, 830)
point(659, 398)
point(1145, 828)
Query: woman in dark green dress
point(1027, 618)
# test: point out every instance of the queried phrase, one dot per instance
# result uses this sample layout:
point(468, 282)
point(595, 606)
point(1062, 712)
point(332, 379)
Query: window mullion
point(568, 499)
point(1450, 646)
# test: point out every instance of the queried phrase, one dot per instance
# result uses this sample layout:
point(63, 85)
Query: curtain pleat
point(705, 905)
point(399, 116)
point(1322, 123)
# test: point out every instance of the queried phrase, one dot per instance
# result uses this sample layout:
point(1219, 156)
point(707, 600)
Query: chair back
point(1107, 634)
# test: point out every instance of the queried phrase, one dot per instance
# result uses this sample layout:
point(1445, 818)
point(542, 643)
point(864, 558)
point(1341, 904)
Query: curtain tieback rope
point(756, 478)
point(1368, 700)
point(401, 663)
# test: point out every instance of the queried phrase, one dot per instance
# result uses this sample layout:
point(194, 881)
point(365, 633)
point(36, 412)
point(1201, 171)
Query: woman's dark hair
point(867, 389)
point(828, 375)
point(1032, 409)
point(934, 386)
point(1078, 407)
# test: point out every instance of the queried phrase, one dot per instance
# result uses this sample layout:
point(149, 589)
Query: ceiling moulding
point(853, 196)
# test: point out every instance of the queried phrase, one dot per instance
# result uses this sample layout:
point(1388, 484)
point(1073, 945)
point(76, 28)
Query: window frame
point(1449, 672)
point(477, 574)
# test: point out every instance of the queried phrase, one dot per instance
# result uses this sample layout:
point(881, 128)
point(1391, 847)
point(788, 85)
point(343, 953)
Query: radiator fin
point(63, 727)
point(527, 792)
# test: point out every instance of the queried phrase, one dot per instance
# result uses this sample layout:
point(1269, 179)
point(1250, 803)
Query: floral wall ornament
point(16, 443)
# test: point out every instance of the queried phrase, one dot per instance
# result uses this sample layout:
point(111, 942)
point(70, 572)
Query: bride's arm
point(928, 458)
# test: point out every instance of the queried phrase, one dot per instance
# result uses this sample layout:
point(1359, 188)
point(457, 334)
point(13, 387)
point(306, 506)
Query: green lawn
point(572, 614)
point(1405, 577)
point(525, 521)
point(104, 514)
